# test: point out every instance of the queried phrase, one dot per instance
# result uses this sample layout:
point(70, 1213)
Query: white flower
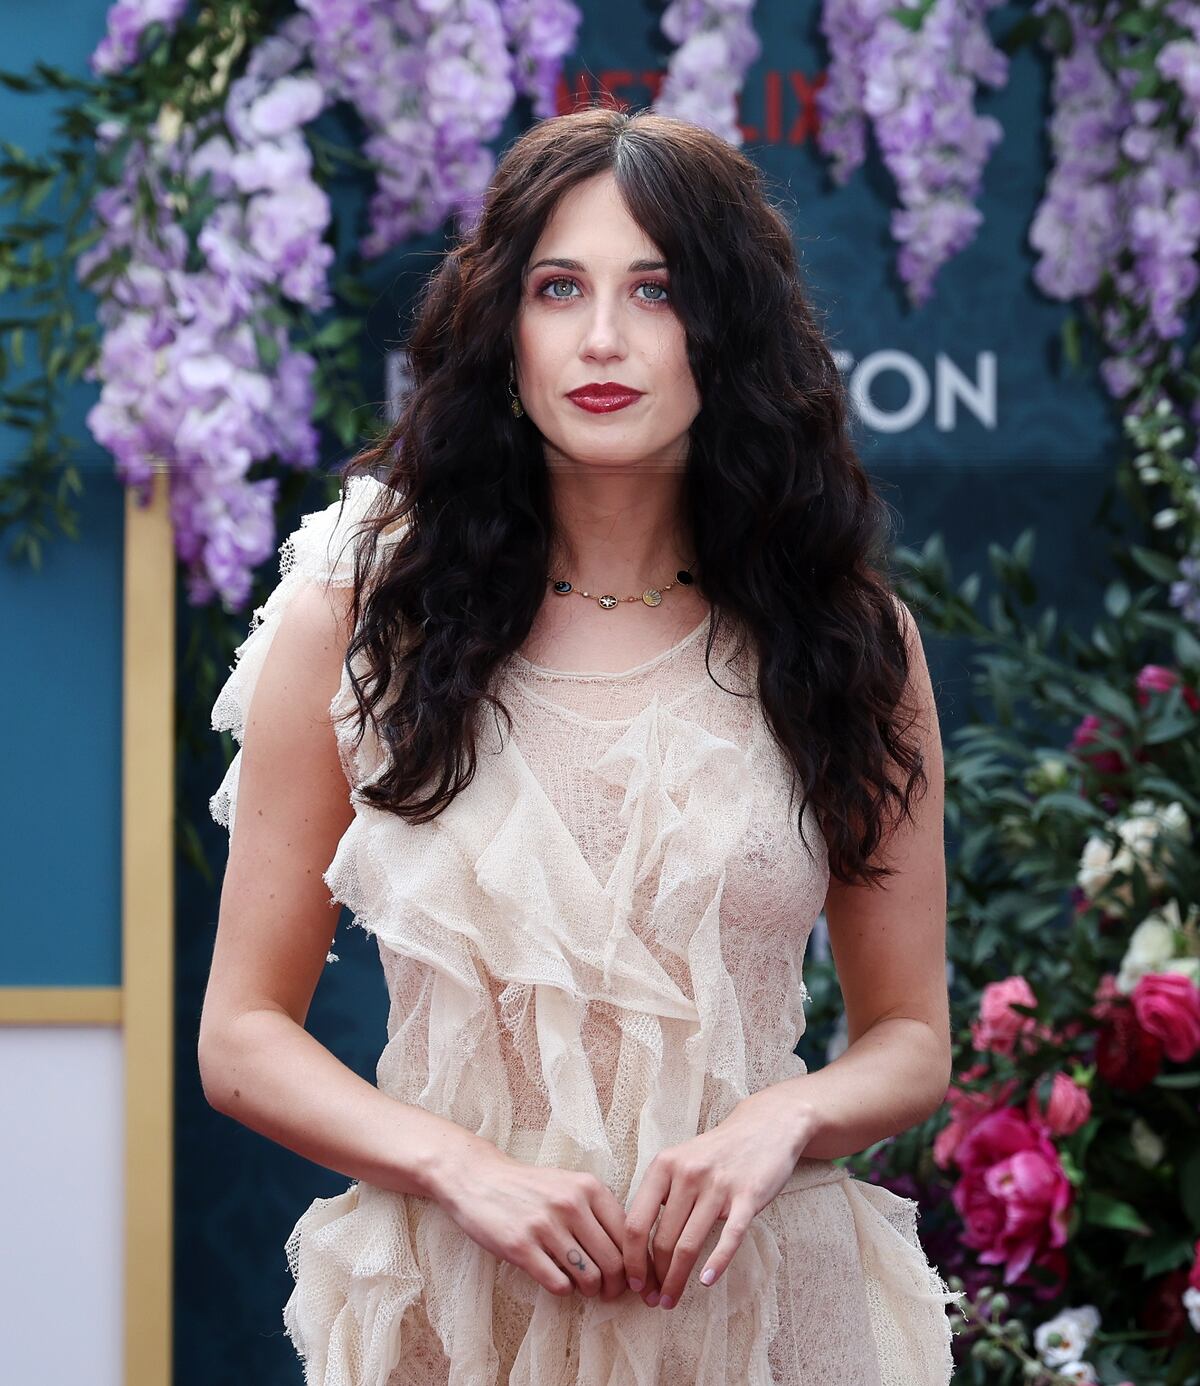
point(1137, 833)
point(1095, 866)
point(1062, 1340)
point(1147, 1144)
point(1078, 1371)
point(1151, 947)
point(1186, 967)
point(1191, 1302)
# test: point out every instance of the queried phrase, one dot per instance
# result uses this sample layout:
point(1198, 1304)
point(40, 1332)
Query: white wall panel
point(62, 1106)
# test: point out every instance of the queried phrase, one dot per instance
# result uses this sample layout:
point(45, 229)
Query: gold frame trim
point(60, 1006)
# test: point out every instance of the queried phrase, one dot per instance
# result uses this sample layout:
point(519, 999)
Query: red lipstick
point(603, 397)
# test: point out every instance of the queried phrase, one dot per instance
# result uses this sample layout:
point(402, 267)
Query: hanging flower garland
point(913, 72)
point(715, 46)
point(196, 367)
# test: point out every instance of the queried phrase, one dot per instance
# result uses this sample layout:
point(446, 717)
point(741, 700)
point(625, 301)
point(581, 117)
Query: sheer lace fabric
point(592, 954)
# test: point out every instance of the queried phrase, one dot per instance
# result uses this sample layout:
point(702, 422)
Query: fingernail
point(708, 1276)
point(652, 1298)
point(637, 1286)
point(665, 1302)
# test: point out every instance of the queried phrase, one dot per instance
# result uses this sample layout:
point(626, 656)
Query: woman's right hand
point(563, 1227)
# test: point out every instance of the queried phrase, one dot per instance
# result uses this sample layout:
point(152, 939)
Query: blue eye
point(566, 279)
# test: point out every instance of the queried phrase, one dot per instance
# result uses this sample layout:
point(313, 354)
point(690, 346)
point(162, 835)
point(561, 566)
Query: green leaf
point(1110, 700)
point(1158, 565)
point(1187, 649)
point(1177, 1080)
point(1136, 22)
point(1073, 805)
point(1102, 1210)
point(337, 332)
point(1117, 599)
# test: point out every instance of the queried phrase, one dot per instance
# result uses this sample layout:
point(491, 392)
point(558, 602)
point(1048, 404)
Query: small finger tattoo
point(576, 1258)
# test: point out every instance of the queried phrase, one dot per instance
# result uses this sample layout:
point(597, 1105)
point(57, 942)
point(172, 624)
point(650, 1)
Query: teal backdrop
point(1040, 454)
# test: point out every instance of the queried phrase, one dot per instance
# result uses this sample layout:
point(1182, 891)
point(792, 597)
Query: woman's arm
point(889, 948)
point(258, 1064)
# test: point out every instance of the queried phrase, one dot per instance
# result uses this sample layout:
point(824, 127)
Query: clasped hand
point(730, 1172)
point(568, 1230)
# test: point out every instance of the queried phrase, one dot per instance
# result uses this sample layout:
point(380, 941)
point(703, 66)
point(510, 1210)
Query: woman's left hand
point(731, 1172)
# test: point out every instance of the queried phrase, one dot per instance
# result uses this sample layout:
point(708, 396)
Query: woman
point(590, 843)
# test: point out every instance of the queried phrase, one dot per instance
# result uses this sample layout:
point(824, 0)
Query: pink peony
point(1068, 1108)
point(998, 1025)
point(1013, 1196)
point(1167, 1005)
point(966, 1108)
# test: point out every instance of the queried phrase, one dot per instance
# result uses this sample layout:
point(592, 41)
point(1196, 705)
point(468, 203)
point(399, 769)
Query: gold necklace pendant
point(652, 596)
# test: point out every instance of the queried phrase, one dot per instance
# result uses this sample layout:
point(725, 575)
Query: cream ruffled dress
point(592, 954)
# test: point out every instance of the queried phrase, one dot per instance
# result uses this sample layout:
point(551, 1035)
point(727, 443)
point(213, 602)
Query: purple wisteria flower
point(433, 81)
point(1123, 197)
point(198, 377)
point(715, 45)
point(918, 89)
point(127, 21)
point(541, 33)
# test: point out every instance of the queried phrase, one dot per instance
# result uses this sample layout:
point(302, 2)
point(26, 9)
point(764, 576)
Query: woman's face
point(607, 318)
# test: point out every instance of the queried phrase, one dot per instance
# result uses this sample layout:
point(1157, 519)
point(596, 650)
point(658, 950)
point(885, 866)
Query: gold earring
point(514, 397)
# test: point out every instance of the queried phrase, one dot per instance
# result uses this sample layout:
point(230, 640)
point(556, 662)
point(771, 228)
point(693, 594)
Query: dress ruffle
point(390, 1292)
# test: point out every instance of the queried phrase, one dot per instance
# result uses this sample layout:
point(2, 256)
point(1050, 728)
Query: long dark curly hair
point(789, 535)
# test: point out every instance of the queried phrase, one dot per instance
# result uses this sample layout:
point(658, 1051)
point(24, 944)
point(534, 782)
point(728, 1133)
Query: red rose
point(1162, 1309)
point(1167, 1006)
point(1103, 760)
point(1127, 1057)
point(1194, 1275)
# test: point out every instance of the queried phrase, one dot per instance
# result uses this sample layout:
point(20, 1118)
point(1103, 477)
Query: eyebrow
point(636, 266)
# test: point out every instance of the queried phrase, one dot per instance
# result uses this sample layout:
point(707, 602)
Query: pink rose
point(966, 1108)
point(998, 1025)
point(1167, 1005)
point(1013, 1196)
point(1155, 678)
point(1068, 1108)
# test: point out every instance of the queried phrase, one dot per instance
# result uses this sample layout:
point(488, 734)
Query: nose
point(603, 337)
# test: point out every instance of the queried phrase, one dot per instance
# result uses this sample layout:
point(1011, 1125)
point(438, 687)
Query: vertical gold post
point(147, 931)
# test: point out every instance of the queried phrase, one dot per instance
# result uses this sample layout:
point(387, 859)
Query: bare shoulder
point(276, 921)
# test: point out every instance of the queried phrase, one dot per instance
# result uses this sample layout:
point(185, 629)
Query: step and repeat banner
point(970, 420)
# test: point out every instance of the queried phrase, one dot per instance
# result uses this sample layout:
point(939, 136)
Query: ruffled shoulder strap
point(321, 549)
